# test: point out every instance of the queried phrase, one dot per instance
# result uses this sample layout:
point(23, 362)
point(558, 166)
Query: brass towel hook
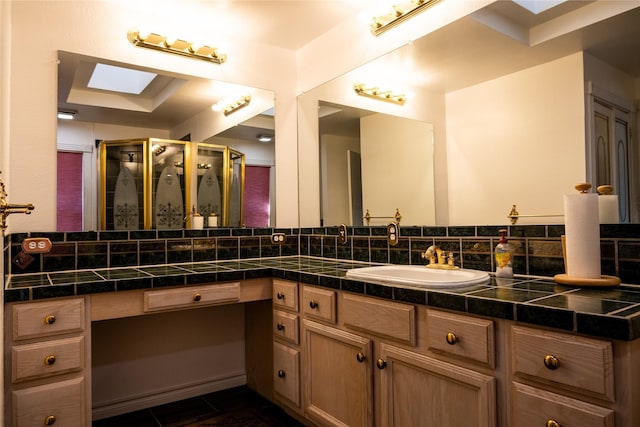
point(7, 209)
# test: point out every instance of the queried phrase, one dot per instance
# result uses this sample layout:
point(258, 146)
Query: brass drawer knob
point(280, 295)
point(452, 338)
point(50, 420)
point(280, 327)
point(50, 319)
point(360, 357)
point(553, 423)
point(381, 364)
point(50, 360)
point(313, 304)
point(281, 373)
point(197, 297)
point(551, 362)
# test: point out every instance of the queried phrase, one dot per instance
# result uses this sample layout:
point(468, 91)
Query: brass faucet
point(444, 262)
point(7, 209)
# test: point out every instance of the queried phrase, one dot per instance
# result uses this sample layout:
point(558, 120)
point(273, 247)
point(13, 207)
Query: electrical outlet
point(393, 233)
point(36, 245)
point(278, 238)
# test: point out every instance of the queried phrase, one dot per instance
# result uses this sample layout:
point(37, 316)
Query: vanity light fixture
point(177, 46)
point(379, 94)
point(400, 13)
point(67, 114)
point(228, 106)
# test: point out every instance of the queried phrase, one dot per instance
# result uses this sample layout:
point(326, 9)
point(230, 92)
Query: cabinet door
point(536, 407)
point(338, 377)
point(417, 390)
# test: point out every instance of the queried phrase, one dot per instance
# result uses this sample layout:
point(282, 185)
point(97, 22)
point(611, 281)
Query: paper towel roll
point(608, 207)
point(582, 234)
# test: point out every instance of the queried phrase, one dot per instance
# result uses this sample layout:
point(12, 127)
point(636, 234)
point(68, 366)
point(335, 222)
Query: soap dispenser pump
point(503, 255)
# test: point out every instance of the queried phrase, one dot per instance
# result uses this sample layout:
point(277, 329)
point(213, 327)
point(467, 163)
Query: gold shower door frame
point(147, 181)
point(228, 158)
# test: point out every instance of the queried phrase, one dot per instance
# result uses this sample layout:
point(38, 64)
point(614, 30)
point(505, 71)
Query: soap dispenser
point(503, 256)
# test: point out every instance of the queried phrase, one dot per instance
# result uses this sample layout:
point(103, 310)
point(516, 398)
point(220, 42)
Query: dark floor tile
point(234, 407)
point(235, 398)
point(142, 418)
point(183, 412)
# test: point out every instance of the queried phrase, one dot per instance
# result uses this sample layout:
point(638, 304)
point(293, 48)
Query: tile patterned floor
point(235, 407)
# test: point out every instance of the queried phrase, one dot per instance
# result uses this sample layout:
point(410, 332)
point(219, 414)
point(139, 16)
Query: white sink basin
point(416, 275)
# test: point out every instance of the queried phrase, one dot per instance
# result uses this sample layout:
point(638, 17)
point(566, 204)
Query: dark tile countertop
point(603, 312)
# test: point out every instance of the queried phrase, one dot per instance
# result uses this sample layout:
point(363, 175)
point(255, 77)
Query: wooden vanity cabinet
point(561, 379)
point(372, 366)
point(47, 369)
point(286, 345)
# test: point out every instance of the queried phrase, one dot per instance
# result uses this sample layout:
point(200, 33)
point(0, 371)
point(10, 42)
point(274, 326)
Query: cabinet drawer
point(285, 326)
point(64, 401)
point(47, 358)
point(191, 297)
point(286, 372)
point(461, 336)
point(576, 362)
point(535, 407)
point(383, 318)
point(285, 295)
point(39, 319)
point(319, 304)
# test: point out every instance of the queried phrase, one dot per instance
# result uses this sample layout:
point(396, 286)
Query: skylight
point(118, 79)
point(538, 6)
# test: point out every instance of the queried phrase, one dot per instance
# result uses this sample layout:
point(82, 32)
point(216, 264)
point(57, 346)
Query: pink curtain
point(69, 191)
point(256, 196)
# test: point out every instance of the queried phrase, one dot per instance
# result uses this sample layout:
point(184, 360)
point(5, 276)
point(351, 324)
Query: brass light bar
point(381, 95)
point(179, 47)
point(235, 106)
point(400, 13)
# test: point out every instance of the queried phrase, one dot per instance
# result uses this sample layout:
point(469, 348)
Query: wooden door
point(417, 390)
point(338, 377)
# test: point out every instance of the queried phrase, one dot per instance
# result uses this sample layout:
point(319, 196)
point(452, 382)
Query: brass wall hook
point(7, 209)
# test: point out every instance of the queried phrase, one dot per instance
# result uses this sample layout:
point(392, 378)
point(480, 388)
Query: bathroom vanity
point(336, 351)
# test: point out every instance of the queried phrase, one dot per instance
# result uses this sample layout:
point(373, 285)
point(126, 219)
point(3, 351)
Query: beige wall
point(335, 183)
point(397, 169)
point(519, 139)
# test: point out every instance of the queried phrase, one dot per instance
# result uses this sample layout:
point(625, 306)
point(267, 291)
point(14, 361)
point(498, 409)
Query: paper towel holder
point(565, 279)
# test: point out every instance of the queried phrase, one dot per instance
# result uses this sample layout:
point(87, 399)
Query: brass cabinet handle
point(280, 327)
point(49, 360)
point(281, 373)
point(50, 420)
point(360, 357)
point(50, 319)
point(551, 362)
point(313, 304)
point(381, 364)
point(452, 338)
point(280, 295)
point(197, 297)
point(553, 423)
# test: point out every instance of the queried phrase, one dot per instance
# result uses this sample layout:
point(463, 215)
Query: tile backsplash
point(538, 250)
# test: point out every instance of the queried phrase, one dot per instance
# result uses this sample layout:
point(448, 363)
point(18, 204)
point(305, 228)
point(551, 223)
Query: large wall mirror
point(163, 105)
point(515, 103)
point(364, 158)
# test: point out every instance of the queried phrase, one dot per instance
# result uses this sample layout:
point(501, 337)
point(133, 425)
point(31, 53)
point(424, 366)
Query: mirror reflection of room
point(104, 121)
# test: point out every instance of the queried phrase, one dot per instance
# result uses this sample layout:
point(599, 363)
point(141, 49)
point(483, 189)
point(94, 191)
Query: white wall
point(519, 139)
